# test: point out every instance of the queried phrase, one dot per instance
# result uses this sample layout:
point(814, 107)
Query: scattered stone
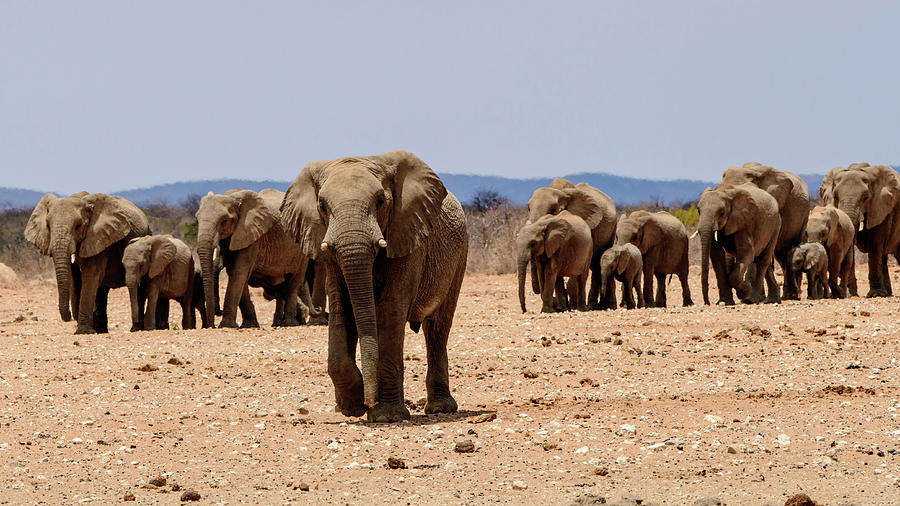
point(800, 500)
point(466, 446)
point(519, 485)
point(175, 361)
point(304, 487)
point(128, 497)
point(783, 439)
point(159, 481)
point(731, 449)
point(190, 495)
point(487, 417)
point(545, 342)
point(303, 411)
point(618, 341)
point(395, 463)
point(626, 430)
point(529, 374)
point(176, 487)
point(708, 501)
point(588, 500)
point(616, 333)
point(601, 471)
point(547, 446)
point(147, 368)
point(714, 419)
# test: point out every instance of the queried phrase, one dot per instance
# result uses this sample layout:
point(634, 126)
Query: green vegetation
point(689, 217)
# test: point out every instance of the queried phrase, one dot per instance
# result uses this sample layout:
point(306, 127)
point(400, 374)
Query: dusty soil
point(749, 404)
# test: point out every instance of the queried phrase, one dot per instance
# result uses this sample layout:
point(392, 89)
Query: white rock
point(519, 485)
point(583, 449)
point(713, 419)
point(629, 429)
point(783, 439)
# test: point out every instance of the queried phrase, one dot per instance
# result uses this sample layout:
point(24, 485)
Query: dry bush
point(492, 239)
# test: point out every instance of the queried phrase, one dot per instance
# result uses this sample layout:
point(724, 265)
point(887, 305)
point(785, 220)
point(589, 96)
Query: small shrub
point(689, 217)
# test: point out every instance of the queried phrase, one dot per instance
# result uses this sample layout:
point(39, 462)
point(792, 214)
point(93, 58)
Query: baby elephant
point(159, 268)
point(811, 258)
point(557, 245)
point(623, 263)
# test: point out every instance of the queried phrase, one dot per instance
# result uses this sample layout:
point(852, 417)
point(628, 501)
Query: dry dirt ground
point(747, 404)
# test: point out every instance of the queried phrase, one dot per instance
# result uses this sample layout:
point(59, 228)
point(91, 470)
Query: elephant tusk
point(715, 235)
point(324, 246)
point(695, 234)
point(382, 243)
point(862, 225)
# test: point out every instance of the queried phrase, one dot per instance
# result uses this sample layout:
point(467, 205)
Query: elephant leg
point(278, 317)
point(638, 289)
point(101, 320)
point(437, 331)
point(92, 270)
point(162, 314)
point(835, 266)
point(791, 290)
point(561, 300)
point(152, 306)
point(628, 292)
point(886, 275)
point(876, 273)
point(342, 340)
point(660, 290)
point(548, 286)
point(292, 294)
point(610, 287)
point(389, 403)
point(318, 289)
point(721, 267)
point(852, 289)
point(248, 310)
point(682, 274)
point(75, 290)
point(772, 286)
point(187, 313)
point(582, 292)
point(593, 297)
point(648, 286)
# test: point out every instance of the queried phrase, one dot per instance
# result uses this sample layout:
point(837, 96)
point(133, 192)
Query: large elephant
point(394, 244)
point(94, 228)
point(742, 222)
point(622, 262)
point(832, 228)
point(591, 205)
point(256, 251)
point(663, 243)
point(557, 245)
point(870, 195)
point(163, 267)
point(792, 196)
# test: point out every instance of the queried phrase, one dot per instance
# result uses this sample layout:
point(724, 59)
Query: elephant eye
point(379, 202)
point(323, 208)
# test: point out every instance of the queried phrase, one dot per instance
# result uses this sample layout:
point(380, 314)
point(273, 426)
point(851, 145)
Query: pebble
point(190, 495)
point(128, 497)
point(708, 501)
point(466, 446)
point(519, 485)
point(783, 439)
point(714, 420)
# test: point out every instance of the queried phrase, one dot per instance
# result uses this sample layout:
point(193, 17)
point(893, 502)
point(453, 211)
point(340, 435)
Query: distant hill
point(623, 190)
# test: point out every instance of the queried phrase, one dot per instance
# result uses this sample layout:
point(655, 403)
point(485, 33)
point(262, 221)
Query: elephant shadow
point(423, 419)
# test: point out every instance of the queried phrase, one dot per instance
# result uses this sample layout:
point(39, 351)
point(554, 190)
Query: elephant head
point(868, 194)
point(639, 228)
point(804, 257)
point(613, 261)
point(723, 211)
point(145, 256)
point(823, 225)
point(563, 195)
point(238, 218)
point(775, 182)
point(82, 224)
point(349, 212)
point(540, 239)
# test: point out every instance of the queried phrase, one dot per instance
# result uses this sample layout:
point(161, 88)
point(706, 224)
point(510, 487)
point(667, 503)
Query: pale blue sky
point(107, 96)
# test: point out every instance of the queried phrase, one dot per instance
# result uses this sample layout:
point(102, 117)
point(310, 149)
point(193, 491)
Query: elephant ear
point(623, 262)
point(743, 210)
point(809, 259)
point(37, 231)
point(108, 224)
point(650, 234)
point(255, 218)
point(418, 197)
point(780, 187)
point(584, 204)
point(561, 184)
point(826, 190)
point(162, 252)
point(300, 209)
point(556, 234)
point(885, 192)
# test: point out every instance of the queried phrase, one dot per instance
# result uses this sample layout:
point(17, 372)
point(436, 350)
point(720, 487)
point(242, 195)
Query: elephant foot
point(440, 404)
point(85, 330)
point(687, 302)
point(249, 324)
point(388, 413)
point(772, 300)
point(548, 309)
point(136, 328)
point(228, 324)
point(790, 295)
point(875, 292)
point(287, 322)
point(725, 302)
point(660, 303)
point(320, 319)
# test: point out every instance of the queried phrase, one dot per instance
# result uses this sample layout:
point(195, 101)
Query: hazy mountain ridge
point(623, 190)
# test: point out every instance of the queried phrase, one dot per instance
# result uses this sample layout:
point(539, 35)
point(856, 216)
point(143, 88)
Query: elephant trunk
point(522, 268)
point(356, 257)
point(133, 281)
point(206, 243)
point(857, 216)
point(706, 231)
point(62, 252)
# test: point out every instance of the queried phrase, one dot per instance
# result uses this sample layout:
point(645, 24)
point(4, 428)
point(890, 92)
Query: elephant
point(742, 222)
point(591, 205)
point(315, 278)
point(811, 258)
point(394, 244)
point(164, 268)
point(870, 195)
point(792, 195)
point(832, 228)
point(85, 233)
point(663, 243)
point(256, 251)
point(623, 262)
point(556, 245)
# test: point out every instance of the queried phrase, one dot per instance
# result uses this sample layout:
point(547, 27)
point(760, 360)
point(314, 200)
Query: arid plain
point(747, 404)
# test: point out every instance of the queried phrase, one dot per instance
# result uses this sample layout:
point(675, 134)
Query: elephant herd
point(385, 243)
point(379, 236)
point(757, 215)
